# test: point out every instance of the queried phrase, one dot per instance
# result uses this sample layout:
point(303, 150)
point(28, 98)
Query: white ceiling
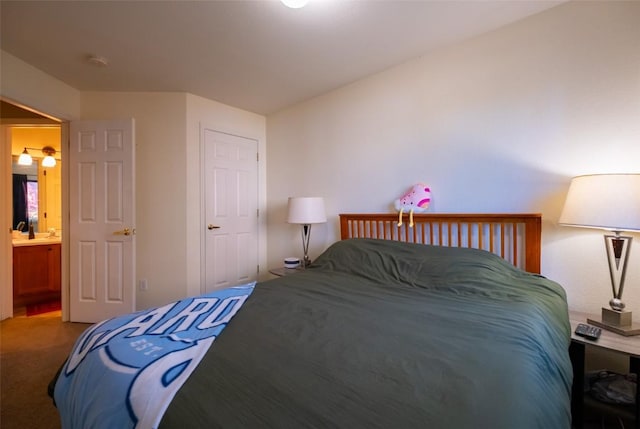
point(256, 55)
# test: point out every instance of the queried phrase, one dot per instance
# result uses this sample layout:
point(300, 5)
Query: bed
point(433, 325)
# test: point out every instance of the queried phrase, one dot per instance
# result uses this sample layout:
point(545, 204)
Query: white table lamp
point(306, 211)
point(610, 202)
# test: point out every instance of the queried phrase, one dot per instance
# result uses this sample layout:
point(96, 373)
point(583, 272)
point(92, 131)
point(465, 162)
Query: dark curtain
point(19, 199)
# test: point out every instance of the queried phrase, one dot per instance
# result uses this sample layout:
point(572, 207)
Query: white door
point(230, 166)
point(101, 220)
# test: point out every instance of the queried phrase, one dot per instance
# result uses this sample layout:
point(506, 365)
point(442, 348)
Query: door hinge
point(258, 156)
point(258, 269)
point(257, 212)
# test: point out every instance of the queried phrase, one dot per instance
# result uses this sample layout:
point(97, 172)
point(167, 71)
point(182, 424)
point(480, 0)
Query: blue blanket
point(107, 379)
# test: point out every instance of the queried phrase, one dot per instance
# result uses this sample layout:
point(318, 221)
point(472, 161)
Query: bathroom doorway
point(38, 262)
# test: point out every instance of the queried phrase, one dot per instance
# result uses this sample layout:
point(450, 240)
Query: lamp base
point(616, 321)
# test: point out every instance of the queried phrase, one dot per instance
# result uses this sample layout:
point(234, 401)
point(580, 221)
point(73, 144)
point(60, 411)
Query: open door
point(101, 220)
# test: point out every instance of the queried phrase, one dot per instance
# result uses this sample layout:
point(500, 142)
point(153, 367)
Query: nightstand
point(282, 271)
point(628, 346)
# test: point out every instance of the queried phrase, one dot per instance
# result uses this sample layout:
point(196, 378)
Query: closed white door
point(101, 220)
point(230, 167)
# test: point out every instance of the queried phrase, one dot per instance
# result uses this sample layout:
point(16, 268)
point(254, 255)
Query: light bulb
point(25, 158)
point(48, 161)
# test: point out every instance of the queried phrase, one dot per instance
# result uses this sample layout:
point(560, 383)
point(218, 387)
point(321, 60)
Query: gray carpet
point(31, 351)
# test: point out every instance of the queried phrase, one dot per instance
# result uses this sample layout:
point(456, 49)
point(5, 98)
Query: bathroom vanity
point(36, 270)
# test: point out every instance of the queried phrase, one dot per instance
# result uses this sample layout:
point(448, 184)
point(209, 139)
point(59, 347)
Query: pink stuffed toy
point(417, 200)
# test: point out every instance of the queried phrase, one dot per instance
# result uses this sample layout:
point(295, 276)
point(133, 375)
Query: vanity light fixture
point(48, 161)
point(25, 158)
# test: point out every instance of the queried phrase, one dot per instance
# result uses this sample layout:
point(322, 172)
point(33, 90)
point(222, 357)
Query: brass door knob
point(211, 226)
point(125, 231)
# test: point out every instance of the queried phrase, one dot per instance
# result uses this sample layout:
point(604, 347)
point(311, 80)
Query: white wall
point(499, 123)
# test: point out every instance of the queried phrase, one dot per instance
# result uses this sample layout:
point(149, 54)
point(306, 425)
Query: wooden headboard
point(514, 237)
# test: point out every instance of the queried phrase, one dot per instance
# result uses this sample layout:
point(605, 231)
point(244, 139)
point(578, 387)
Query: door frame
point(64, 289)
point(6, 219)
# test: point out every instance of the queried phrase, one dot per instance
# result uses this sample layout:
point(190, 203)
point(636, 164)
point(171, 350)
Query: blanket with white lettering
point(124, 372)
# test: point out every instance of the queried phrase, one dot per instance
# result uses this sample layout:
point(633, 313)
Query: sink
point(40, 238)
point(25, 236)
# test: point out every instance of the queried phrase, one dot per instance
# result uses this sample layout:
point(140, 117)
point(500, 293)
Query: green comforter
point(382, 334)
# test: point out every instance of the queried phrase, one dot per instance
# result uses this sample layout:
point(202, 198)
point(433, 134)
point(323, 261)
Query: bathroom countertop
point(19, 242)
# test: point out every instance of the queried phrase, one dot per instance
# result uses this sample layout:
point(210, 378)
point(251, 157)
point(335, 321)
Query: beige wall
point(499, 123)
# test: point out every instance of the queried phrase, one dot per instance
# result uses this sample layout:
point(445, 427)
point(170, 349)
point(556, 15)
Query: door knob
point(211, 226)
point(125, 231)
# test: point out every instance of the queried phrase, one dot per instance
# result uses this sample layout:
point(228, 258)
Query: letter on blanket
point(235, 302)
point(141, 324)
point(189, 314)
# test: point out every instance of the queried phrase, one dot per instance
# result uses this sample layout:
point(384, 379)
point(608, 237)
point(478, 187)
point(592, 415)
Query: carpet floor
point(31, 351)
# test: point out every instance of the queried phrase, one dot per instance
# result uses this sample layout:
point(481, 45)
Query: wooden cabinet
point(36, 273)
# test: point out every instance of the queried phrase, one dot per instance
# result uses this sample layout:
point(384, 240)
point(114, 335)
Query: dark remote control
point(588, 331)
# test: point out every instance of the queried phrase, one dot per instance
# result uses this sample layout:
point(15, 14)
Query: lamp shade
point(306, 210)
point(48, 160)
point(25, 158)
point(604, 201)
